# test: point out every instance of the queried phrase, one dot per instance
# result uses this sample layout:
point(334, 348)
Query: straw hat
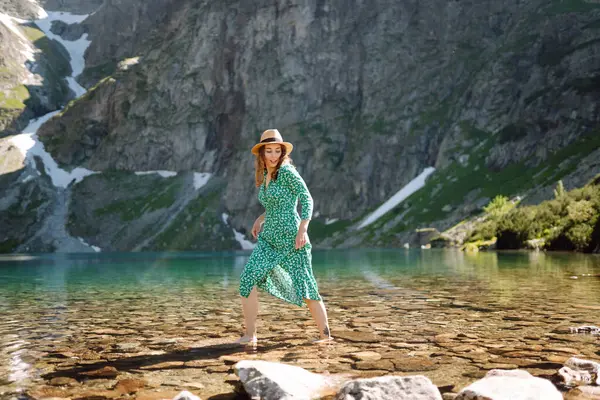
point(271, 136)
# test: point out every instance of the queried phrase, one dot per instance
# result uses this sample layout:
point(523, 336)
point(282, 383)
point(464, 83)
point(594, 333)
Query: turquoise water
point(147, 272)
point(53, 301)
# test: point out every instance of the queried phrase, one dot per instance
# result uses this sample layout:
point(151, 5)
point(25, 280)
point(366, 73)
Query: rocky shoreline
point(273, 381)
point(135, 377)
point(116, 344)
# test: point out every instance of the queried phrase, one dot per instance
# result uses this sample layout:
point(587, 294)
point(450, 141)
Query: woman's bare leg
point(250, 309)
point(319, 314)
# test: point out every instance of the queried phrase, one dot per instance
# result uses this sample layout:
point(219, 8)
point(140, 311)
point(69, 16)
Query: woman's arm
point(258, 225)
point(297, 185)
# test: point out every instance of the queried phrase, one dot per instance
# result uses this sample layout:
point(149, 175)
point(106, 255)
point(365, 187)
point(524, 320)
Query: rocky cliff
point(499, 96)
point(32, 68)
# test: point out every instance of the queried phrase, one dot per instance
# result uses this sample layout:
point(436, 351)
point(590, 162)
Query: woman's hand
point(301, 238)
point(256, 228)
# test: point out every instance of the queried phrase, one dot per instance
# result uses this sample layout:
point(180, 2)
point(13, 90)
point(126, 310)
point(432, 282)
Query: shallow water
point(167, 320)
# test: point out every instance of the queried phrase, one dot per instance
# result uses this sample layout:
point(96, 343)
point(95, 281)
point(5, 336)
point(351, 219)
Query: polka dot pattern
point(275, 265)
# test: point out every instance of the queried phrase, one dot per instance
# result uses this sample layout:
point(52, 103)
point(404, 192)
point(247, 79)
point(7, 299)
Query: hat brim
point(288, 146)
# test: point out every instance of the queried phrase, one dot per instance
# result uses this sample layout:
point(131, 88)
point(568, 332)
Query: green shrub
point(580, 211)
point(516, 228)
point(487, 229)
point(8, 246)
point(498, 206)
point(580, 236)
point(565, 223)
point(471, 247)
point(549, 214)
point(595, 239)
point(590, 193)
point(559, 191)
point(484, 231)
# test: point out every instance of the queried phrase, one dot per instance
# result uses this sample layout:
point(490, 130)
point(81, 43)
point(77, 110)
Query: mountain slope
point(32, 68)
point(498, 96)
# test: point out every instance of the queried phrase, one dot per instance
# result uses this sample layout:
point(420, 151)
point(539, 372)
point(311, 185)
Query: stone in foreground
point(510, 385)
point(416, 387)
point(185, 395)
point(274, 381)
point(588, 370)
point(570, 377)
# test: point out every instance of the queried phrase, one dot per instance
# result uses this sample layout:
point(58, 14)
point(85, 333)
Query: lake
point(153, 324)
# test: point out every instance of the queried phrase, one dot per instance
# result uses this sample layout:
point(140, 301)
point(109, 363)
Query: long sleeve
point(294, 181)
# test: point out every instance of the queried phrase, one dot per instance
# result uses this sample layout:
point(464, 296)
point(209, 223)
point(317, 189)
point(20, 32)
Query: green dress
point(275, 265)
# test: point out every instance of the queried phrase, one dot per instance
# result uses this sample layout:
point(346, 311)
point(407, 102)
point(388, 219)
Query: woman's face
point(272, 154)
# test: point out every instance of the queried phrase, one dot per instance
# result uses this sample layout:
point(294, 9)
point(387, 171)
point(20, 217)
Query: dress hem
point(303, 304)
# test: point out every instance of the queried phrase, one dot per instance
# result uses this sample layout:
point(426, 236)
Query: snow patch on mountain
point(399, 197)
point(239, 237)
point(75, 48)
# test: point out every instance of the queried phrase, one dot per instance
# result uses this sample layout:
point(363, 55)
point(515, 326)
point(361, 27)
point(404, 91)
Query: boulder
point(583, 366)
point(275, 381)
point(570, 377)
point(416, 387)
point(510, 385)
point(185, 395)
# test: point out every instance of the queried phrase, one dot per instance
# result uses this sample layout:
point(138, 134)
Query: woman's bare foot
point(247, 339)
point(325, 339)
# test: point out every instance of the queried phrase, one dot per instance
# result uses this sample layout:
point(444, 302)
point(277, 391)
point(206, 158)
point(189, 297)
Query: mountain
point(32, 68)
point(500, 97)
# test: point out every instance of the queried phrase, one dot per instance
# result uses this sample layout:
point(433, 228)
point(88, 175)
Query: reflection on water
point(19, 370)
point(377, 281)
point(53, 302)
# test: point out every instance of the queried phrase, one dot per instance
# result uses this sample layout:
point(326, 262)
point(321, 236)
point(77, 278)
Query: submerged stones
point(358, 336)
point(366, 356)
point(583, 393)
point(63, 381)
point(130, 385)
point(107, 372)
point(181, 338)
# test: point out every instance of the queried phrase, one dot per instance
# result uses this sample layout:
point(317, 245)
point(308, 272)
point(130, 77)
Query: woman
point(280, 263)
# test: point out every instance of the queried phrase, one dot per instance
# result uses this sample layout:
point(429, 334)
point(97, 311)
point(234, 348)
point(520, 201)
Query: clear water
point(54, 302)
